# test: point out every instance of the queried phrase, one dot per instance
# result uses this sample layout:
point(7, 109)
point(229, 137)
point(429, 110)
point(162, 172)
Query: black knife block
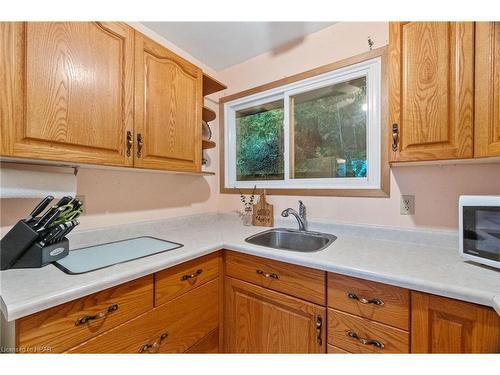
point(19, 249)
point(37, 256)
point(15, 243)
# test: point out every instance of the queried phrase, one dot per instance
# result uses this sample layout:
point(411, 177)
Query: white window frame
point(369, 68)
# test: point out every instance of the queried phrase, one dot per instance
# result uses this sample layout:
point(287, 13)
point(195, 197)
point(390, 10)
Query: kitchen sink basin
point(292, 239)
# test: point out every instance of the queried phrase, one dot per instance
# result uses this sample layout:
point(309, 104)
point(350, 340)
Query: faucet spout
point(300, 219)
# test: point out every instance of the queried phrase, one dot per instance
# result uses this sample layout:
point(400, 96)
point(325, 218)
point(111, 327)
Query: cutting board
point(263, 212)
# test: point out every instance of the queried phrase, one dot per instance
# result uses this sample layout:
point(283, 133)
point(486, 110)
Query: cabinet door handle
point(156, 345)
point(268, 275)
point(395, 137)
point(191, 276)
point(363, 341)
point(129, 143)
point(319, 328)
point(373, 301)
point(140, 143)
point(86, 318)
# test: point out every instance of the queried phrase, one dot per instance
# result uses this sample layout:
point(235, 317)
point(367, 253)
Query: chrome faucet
point(300, 216)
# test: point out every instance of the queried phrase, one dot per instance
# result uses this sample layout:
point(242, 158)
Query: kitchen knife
point(43, 219)
point(40, 207)
point(64, 201)
point(52, 234)
point(55, 212)
point(68, 228)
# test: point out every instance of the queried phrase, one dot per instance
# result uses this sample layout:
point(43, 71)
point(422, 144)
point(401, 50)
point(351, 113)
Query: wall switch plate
point(407, 205)
point(82, 198)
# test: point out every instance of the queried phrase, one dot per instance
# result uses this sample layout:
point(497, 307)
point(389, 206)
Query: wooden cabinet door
point(168, 107)
point(259, 320)
point(67, 91)
point(487, 91)
point(444, 325)
point(431, 90)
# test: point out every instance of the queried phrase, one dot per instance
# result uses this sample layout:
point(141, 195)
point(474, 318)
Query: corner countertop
point(420, 260)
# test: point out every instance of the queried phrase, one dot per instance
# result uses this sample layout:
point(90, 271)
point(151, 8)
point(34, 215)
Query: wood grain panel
point(297, 281)
point(431, 89)
point(207, 345)
point(168, 109)
point(211, 85)
point(258, 320)
point(331, 349)
point(395, 308)
point(55, 327)
point(185, 320)
point(487, 90)
point(173, 282)
point(444, 325)
point(339, 323)
point(69, 91)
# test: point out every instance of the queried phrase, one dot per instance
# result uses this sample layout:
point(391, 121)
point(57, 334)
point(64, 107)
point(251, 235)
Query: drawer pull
point(156, 345)
point(363, 341)
point(395, 137)
point(374, 301)
point(129, 143)
point(86, 318)
point(140, 143)
point(191, 276)
point(319, 327)
point(268, 275)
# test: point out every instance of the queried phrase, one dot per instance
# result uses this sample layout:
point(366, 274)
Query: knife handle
point(40, 207)
point(51, 218)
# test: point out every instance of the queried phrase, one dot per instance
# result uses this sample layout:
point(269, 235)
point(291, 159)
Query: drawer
point(302, 282)
point(376, 301)
point(173, 327)
point(359, 335)
point(56, 327)
point(177, 280)
point(207, 345)
point(335, 350)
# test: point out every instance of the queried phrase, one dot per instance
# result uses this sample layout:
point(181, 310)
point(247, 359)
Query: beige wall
point(436, 188)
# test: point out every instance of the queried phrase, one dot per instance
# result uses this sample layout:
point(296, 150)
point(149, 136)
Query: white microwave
point(479, 229)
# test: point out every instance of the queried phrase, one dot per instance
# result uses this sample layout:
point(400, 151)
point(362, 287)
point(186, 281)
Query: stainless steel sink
point(292, 239)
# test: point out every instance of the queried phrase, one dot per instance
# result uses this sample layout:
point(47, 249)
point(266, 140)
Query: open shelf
point(211, 85)
point(208, 115)
point(205, 145)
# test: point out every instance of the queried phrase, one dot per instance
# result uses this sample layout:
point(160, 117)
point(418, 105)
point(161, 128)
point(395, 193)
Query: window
point(322, 132)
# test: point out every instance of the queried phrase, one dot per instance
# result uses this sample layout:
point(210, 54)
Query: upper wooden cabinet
point(487, 91)
point(98, 93)
point(444, 325)
point(168, 108)
point(67, 91)
point(431, 90)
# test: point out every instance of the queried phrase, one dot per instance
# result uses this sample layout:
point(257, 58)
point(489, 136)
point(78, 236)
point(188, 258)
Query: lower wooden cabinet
point(359, 335)
point(181, 310)
point(259, 320)
point(170, 328)
point(62, 327)
point(335, 350)
point(444, 325)
point(207, 345)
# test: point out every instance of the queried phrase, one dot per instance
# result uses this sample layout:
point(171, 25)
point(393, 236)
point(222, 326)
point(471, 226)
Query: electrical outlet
point(82, 199)
point(407, 205)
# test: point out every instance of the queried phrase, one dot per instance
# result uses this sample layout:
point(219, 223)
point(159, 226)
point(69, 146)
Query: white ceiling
point(223, 44)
